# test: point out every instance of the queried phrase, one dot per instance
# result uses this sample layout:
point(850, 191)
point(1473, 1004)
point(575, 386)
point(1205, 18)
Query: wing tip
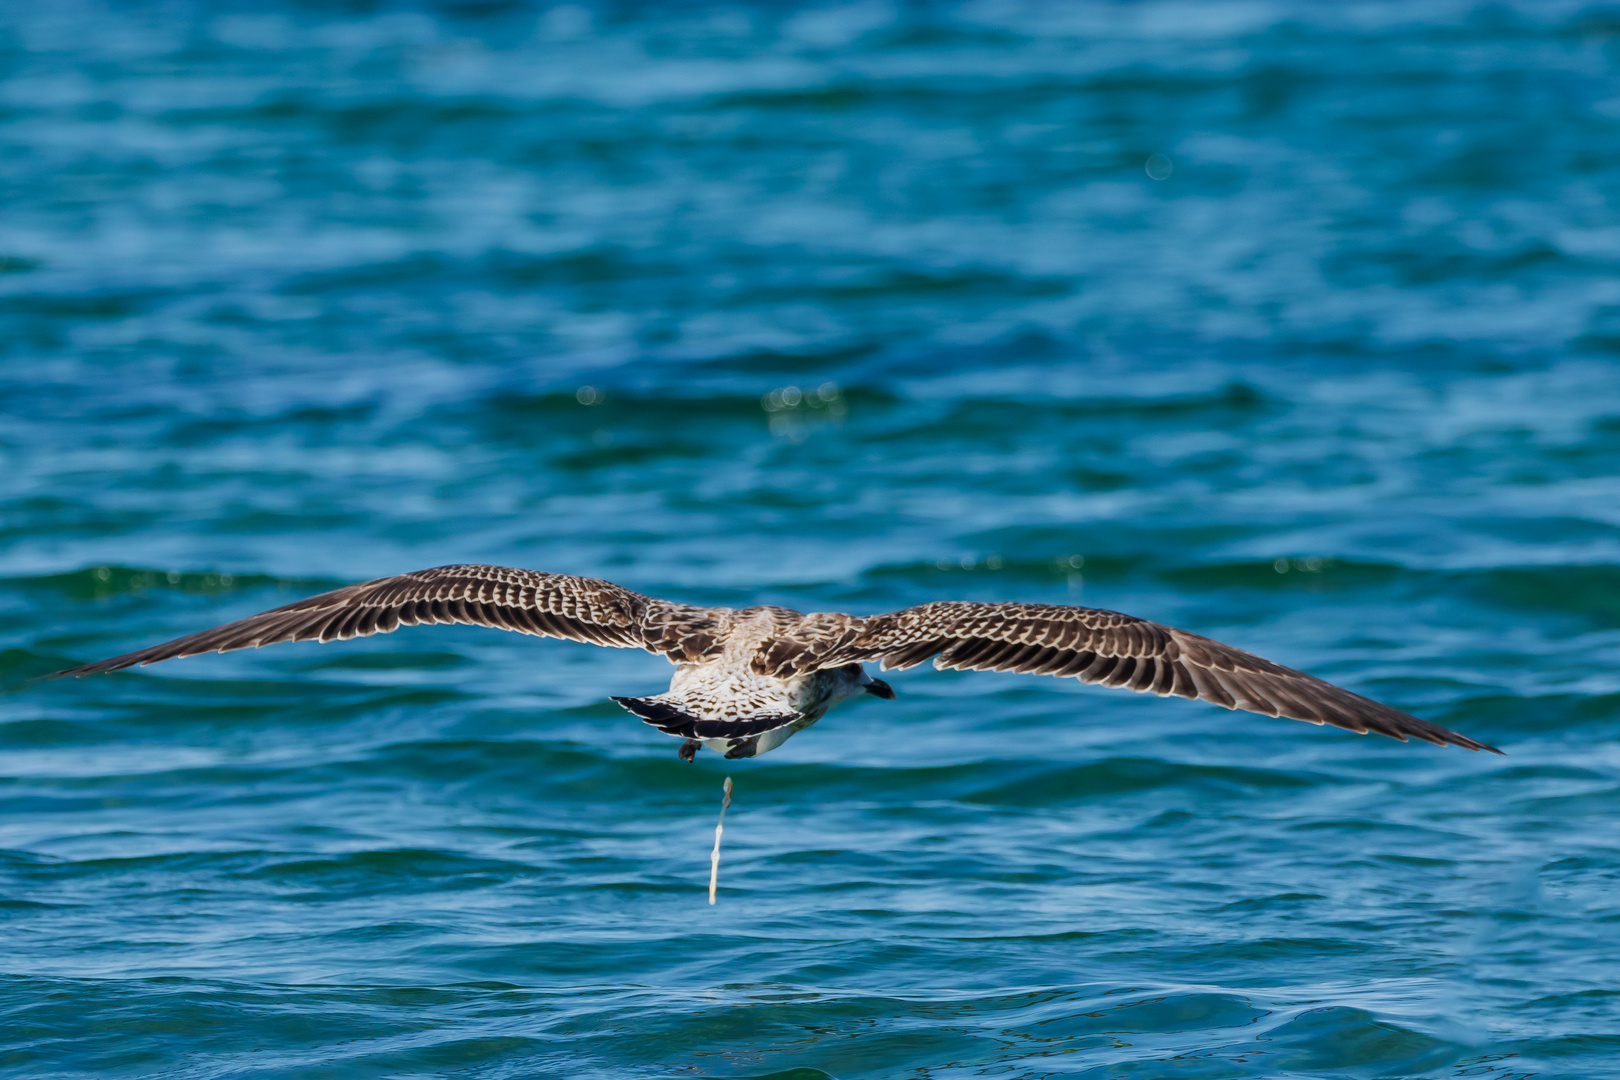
point(1440, 736)
point(134, 660)
point(97, 668)
point(100, 667)
point(1476, 746)
point(1430, 732)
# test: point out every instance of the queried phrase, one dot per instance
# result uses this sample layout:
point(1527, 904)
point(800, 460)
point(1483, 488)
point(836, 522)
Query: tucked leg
point(747, 748)
point(689, 749)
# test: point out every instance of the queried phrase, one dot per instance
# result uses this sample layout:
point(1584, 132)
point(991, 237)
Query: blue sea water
point(1294, 324)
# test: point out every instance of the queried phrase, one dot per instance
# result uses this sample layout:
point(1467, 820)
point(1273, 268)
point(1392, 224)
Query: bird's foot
point(689, 750)
point(744, 749)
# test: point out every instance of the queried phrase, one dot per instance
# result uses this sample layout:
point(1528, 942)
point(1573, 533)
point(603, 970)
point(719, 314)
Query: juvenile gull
point(746, 680)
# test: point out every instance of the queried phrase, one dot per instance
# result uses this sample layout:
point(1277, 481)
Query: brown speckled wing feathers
point(527, 601)
point(1109, 649)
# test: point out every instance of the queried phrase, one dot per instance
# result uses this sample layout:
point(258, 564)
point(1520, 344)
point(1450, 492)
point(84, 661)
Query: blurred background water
point(1294, 324)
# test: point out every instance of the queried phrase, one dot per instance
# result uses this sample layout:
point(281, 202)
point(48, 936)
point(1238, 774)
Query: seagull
point(746, 680)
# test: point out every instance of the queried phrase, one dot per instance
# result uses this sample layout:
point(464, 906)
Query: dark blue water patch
point(1079, 1027)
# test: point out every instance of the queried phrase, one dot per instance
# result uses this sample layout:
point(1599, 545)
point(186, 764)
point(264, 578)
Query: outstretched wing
point(1110, 649)
point(528, 601)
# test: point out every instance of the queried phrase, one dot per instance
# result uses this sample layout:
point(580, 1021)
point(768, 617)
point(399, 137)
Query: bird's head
point(852, 680)
point(876, 686)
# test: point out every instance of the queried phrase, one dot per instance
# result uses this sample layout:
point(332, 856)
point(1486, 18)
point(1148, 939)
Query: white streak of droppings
point(719, 828)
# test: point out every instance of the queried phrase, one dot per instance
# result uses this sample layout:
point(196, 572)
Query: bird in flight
point(747, 680)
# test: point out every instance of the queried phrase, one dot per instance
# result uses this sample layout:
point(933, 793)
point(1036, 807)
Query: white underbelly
point(768, 741)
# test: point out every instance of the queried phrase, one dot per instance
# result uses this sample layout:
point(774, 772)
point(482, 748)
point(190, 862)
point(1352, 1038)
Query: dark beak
point(881, 689)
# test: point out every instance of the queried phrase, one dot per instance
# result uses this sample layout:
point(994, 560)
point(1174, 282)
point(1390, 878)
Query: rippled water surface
point(840, 308)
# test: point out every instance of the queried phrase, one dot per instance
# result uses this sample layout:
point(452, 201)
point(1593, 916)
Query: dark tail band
point(672, 720)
